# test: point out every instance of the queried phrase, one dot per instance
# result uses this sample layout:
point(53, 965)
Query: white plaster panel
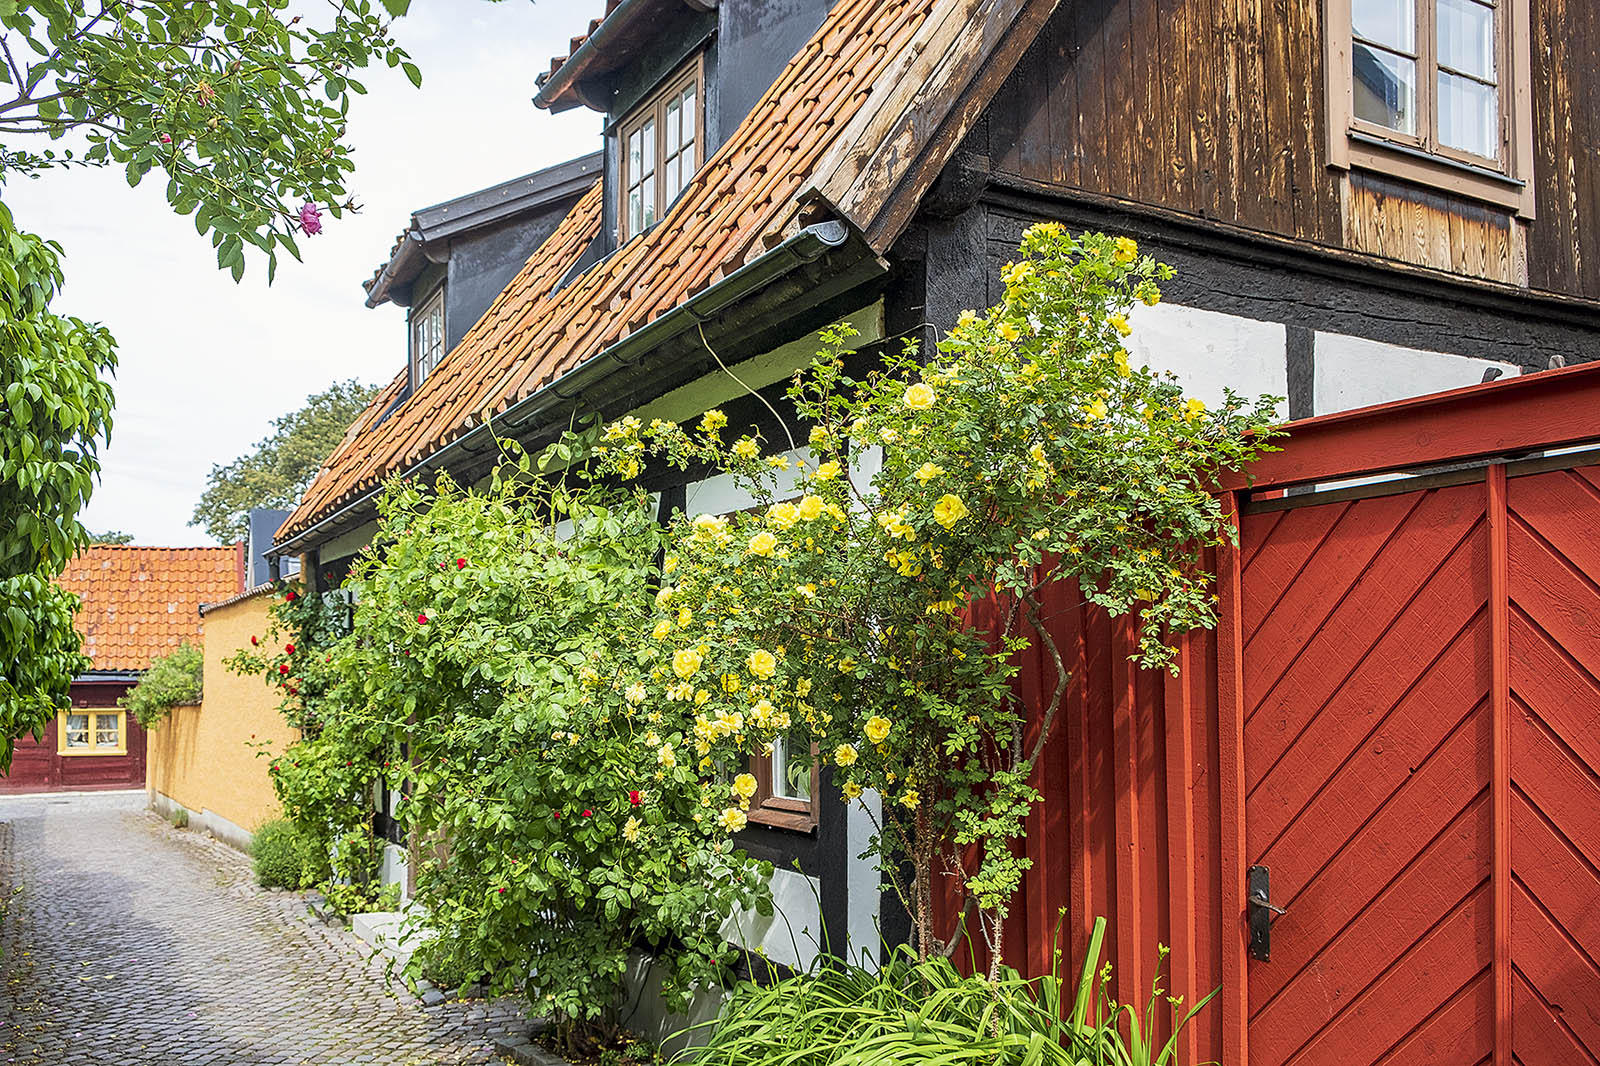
point(723, 495)
point(792, 935)
point(864, 884)
point(1209, 350)
point(1355, 372)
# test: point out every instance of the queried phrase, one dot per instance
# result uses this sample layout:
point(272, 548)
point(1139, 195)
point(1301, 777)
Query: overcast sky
point(206, 364)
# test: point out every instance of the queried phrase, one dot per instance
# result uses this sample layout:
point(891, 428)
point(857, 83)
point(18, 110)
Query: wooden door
point(1422, 773)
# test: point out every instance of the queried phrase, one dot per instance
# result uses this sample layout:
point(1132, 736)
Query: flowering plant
point(841, 610)
point(496, 674)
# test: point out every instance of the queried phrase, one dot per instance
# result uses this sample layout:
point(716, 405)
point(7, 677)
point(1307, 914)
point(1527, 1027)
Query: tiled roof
point(142, 602)
point(858, 121)
point(577, 42)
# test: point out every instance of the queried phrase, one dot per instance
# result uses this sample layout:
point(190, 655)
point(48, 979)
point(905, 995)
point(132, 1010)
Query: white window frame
point(1506, 180)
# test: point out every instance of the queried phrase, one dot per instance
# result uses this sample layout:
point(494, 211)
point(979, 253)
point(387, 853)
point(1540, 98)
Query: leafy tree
point(282, 465)
point(57, 410)
point(241, 108)
point(111, 536)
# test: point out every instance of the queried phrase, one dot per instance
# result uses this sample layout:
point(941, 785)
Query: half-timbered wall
point(1216, 109)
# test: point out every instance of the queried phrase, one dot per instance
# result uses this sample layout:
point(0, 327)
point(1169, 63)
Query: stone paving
point(126, 942)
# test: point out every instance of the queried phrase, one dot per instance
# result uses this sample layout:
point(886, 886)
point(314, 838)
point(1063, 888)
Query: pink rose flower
point(310, 219)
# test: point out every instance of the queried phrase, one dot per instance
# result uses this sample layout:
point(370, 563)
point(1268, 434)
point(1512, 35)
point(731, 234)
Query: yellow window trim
point(93, 713)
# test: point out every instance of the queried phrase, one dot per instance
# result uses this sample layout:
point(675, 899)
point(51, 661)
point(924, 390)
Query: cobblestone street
point(126, 942)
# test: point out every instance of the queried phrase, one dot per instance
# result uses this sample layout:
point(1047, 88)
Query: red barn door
point(1421, 750)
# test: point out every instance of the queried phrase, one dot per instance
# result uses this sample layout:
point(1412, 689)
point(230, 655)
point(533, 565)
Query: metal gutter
point(623, 18)
point(807, 246)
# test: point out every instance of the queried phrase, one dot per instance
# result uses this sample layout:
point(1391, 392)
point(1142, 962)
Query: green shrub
point(172, 680)
point(179, 818)
point(447, 962)
point(287, 856)
point(911, 1013)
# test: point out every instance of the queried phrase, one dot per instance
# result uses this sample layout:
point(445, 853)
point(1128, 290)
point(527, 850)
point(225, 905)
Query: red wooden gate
point(1399, 717)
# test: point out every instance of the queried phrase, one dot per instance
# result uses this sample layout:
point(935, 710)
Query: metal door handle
point(1261, 913)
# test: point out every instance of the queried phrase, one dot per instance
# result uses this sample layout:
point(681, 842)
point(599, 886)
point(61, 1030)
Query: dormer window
point(661, 144)
point(427, 336)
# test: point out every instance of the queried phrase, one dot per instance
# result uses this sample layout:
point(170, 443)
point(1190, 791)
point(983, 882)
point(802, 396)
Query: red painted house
point(137, 603)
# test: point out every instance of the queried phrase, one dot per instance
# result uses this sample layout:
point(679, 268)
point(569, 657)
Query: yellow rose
point(762, 663)
point(1127, 249)
point(851, 790)
point(845, 755)
point(713, 421)
point(1096, 410)
point(746, 448)
point(630, 830)
point(732, 819)
point(744, 786)
point(782, 515)
point(635, 694)
point(663, 629)
point(669, 564)
point(664, 597)
point(1120, 324)
point(877, 729)
point(1009, 332)
point(818, 437)
point(927, 472)
point(827, 471)
point(685, 662)
point(1121, 359)
point(810, 508)
point(910, 799)
point(685, 616)
point(763, 543)
point(920, 397)
point(949, 510)
point(666, 756)
point(1193, 409)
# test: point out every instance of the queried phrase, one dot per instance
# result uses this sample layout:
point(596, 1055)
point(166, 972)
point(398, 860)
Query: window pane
point(635, 158)
point(649, 150)
point(648, 192)
point(105, 731)
point(791, 778)
point(672, 136)
point(77, 731)
point(1466, 38)
point(671, 178)
point(1387, 22)
point(1469, 115)
point(635, 211)
point(688, 130)
point(1385, 88)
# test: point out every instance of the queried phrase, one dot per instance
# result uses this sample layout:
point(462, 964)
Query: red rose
point(422, 619)
point(587, 813)
point(289, 596)
point(502, 891)
point(255, 642)
point(288, 649)
point(556, 815)
point(283, 668)
point(461, 564)
point(633, 798)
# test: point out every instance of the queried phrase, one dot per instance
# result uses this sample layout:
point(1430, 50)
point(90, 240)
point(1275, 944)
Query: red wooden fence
point(1398, 716)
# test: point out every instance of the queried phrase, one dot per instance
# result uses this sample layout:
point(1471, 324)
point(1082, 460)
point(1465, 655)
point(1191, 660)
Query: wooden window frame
point(93, 713)
point(783, 812)
point(654, 107)
point(419, 313)
point(1356, 144)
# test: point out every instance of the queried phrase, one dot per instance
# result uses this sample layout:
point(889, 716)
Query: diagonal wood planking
point(1554, 583)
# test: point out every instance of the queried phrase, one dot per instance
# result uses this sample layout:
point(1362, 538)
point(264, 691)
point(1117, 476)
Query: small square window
point(93, 733)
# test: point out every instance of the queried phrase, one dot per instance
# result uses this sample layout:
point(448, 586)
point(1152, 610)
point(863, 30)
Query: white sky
point(206, 364)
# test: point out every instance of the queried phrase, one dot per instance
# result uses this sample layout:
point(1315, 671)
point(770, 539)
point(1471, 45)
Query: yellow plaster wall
point(201, 756)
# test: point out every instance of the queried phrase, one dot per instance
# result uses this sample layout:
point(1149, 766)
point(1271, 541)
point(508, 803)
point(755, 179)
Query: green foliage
point(242, 108)
point(39, 656)
point(57, 408)
point(286, 856)
point(1028, 453)
point(179, 818)
point(111, 536)
point(172, 680)
point(347, 898)
point(280, 468)
point(927, 1013)
point(497, 643)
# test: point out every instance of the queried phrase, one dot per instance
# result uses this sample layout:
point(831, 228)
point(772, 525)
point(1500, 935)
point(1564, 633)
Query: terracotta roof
point(577, 42)
point(142, 602)
point(859, 122)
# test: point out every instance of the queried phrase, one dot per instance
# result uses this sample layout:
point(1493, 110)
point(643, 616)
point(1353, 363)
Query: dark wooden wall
point(1216, 108)
point(37, 765)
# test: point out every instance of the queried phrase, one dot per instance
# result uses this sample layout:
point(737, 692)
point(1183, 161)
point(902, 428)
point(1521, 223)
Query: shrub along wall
point(203, 758)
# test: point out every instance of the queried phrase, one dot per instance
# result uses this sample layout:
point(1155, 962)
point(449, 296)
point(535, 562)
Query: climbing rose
point(254, 642)
point(310, 219)
point(587, 813)
point(288, 649)
point(166, 138)
point(461, 564)
point(633, 797)
point(422, 619)
point(283, 668)
point(288, 597)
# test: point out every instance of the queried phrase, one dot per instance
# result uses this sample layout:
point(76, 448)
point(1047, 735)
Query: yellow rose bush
point(1028, 450)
